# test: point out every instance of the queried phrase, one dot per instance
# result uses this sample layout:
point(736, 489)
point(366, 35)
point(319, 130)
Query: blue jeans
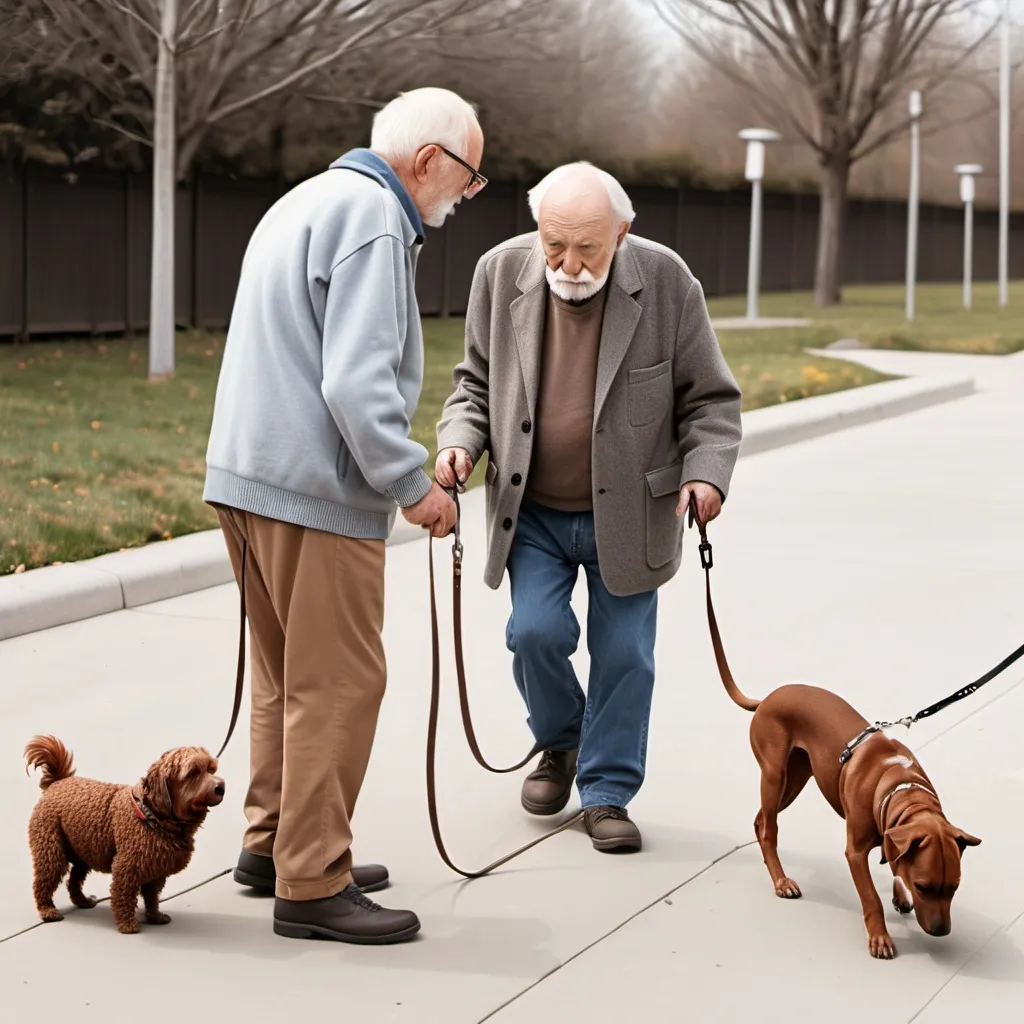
point(609, 725)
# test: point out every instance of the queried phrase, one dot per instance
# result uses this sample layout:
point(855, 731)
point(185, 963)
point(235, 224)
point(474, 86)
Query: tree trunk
point(161, 294)
point(828, 287)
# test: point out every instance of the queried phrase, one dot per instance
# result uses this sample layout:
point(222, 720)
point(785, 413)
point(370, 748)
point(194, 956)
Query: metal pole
point(913, 200)
point(162, 292)
point(968, 251)
point(1004, 154)
point(754, 260)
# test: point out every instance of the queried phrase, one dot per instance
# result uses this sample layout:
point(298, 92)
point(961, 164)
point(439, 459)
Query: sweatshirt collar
point(364, 161)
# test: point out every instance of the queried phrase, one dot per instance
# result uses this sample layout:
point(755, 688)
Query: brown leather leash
point(467, 720)
point(707, 561)
point(460, 672)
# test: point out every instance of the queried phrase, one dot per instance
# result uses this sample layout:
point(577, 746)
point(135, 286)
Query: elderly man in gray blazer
point(594, 382)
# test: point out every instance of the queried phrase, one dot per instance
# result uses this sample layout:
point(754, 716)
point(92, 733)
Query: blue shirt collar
point(367, 162)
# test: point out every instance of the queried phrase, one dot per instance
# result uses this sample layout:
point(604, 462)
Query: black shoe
point(546, 790)
point(348, 917)
point(258, 873)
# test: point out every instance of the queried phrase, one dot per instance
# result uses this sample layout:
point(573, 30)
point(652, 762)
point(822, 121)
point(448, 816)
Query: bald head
point(579, 192)
point(580, 228)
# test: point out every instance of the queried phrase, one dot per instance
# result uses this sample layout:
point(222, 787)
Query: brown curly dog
point(139, 834)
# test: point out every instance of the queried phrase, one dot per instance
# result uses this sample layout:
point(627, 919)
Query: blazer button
point(516, 479)
point(527, 426)
point(601, 490)
point(507, 525)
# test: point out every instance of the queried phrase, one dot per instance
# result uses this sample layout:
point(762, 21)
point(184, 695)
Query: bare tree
point(173, 70)
point(852, 62)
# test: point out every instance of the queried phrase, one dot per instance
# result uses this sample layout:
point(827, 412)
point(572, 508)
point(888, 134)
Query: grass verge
point(95, 458)
point(875, 315)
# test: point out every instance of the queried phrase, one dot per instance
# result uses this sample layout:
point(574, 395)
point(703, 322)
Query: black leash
point(932, 709)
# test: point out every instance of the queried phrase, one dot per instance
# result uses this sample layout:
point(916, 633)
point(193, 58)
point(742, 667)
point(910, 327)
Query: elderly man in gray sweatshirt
point(309, 457)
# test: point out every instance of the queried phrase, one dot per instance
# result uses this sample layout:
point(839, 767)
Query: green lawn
point(94, 457)
point(875, 315)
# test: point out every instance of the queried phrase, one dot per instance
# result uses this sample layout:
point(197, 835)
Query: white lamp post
point(755, 138)
point(968, 172)
point(1004, 153)
point(913, 199)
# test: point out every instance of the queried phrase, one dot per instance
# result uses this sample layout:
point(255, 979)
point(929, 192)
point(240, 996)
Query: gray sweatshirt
point(323, 364)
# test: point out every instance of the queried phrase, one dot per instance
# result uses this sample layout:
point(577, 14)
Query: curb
point(61, 594)
point(790, 423)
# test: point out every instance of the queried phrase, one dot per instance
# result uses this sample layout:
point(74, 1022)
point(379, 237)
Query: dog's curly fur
point(139, 834)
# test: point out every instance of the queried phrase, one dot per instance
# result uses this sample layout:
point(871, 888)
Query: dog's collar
point(152, 820)
point(857, 741)
point(896, 789)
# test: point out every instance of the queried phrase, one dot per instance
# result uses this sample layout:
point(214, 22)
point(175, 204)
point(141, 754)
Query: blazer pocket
point(664, 527)
point(491, 474)
point(649, 393)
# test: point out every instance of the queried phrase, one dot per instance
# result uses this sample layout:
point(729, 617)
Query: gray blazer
point(666, 412)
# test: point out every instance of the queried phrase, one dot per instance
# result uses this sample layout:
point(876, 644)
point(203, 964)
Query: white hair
point(622, 208)
point(422, 117)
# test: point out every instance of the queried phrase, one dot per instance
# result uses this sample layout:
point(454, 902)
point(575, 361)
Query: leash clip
point(706, 558)
point(457, 532)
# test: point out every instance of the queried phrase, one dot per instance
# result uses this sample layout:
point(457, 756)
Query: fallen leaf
point(82, 492)
point(33, 483)
point(55, 447)
point(95, 454)
point(181, 430)
point(56, 487)
point(95, 424)
point(20, 568)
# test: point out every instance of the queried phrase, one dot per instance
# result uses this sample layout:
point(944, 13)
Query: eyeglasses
point(476, 180)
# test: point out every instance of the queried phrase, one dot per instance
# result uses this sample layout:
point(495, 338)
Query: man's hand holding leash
point(434, 512)
point(453, 467)
point(708, 498)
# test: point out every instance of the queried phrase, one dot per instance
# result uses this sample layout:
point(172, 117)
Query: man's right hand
point(453, 465)
point(434, 512)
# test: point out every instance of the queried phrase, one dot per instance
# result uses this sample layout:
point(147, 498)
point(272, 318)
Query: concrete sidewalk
point(885, 562)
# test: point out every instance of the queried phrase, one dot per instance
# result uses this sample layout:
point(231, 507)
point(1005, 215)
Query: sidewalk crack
point(617, 928)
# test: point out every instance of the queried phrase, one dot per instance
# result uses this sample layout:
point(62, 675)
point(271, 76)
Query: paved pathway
point(886, 562)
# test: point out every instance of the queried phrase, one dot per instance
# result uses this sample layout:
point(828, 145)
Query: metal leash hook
point(454, 492)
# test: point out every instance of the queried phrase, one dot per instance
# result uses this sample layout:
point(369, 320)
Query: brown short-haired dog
point(871, 781)
point(139, 834)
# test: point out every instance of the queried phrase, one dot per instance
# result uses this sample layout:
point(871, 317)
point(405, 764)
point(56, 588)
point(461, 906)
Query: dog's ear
point(157, 791)
point(963, 839)
point(899, 841)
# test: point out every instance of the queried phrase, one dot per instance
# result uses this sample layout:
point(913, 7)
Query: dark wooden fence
point(74, 257)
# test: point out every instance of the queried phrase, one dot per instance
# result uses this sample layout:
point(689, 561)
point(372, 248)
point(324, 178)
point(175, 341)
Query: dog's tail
point(48, 753)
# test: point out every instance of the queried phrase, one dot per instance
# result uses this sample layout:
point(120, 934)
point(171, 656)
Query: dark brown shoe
point(611, 830)
point(546, 790)
point(258, 874)
point(350, 916)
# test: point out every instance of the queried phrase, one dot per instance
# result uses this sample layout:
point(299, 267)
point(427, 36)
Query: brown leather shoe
point(547, 788)
point(611, 830)
point(348, 917)
point(258, 873)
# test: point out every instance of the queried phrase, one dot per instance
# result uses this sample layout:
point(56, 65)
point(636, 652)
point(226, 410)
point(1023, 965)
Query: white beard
point(574, 288)
point(440, 213)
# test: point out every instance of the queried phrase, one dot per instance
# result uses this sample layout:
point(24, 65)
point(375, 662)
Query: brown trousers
point(315, 604)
